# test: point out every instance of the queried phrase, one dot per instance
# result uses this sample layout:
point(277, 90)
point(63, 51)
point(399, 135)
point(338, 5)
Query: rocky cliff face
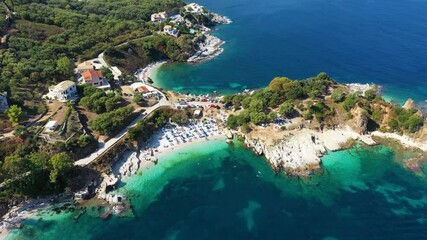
point(409, 104)
point(296, 155)
point(360, 120)
point(298, 152)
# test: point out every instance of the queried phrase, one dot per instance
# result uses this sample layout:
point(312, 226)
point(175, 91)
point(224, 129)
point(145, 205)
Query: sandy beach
point(144, 74)
point(169, 139)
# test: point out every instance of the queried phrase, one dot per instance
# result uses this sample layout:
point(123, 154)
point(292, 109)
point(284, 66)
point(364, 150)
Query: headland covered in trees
point(295, 122)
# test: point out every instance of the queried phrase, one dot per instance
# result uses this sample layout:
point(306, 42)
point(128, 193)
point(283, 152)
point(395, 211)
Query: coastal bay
point(354, 42)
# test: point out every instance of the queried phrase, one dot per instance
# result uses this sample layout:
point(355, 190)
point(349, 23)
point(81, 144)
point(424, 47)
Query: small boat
point(425, 101)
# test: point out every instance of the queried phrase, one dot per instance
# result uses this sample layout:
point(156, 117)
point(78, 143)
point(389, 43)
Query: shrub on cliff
point(338, 96)
point(286, 109)
point(414, 123)
point(349, 102)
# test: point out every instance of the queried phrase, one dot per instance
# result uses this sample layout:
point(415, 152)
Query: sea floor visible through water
point(216, 191)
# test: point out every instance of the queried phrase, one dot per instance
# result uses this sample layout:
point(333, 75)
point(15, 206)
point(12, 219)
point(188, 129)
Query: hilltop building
point(194, 8)
point(63, 91)
point(159, 17)
point(171, 31)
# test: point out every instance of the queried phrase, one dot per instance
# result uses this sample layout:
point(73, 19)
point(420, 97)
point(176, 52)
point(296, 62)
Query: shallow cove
point(212, 190)
point(361, 41)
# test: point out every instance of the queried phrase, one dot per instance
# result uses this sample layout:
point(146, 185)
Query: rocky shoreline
point(299, 152)
point(209, 47)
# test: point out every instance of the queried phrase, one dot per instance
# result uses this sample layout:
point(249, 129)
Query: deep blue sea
point(366, 41)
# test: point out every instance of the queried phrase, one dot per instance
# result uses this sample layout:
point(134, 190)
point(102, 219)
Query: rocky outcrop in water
point(295, 155)
point(298, 152)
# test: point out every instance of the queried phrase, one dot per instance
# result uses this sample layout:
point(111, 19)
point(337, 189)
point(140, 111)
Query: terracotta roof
point(89, 74)
point(142, 89)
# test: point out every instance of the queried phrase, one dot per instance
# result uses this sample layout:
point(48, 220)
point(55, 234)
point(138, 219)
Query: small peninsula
point(294, 123)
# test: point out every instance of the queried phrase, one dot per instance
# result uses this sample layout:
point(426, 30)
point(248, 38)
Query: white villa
point(96, 79)
point(177, 20)
point(171, 31)
point(3, 102)
point(159, 17)
point(63, 91)
point(194, 8)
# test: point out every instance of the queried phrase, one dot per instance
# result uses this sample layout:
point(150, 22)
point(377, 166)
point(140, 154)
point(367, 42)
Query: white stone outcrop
point(298, 152)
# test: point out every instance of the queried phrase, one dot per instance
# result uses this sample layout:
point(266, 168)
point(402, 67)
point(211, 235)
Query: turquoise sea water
point(215, 191)
point(363, 41)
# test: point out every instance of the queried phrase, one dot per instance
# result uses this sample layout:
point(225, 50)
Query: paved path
point(103, 147)
point(102, 60)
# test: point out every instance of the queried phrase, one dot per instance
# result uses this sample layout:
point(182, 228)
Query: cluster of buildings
point(67, 90)
point(193, 8)
point(177, 19)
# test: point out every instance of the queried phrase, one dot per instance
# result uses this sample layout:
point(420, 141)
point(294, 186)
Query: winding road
point(104, 147)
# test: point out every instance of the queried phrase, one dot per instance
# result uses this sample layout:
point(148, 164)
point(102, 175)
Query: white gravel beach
point(168, 139)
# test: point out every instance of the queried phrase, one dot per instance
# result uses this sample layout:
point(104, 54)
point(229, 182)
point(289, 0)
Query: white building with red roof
point(95, 78)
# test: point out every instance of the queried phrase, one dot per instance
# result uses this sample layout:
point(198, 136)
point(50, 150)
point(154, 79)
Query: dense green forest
point(44, 31)
point(141, 52)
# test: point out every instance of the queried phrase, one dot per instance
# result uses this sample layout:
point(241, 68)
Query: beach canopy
point(197, 112)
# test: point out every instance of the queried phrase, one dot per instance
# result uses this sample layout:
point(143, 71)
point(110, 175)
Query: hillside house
point(194, 8)
point(159, 17)
point(171, 31)
point(96, 79)
point(63, 91)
